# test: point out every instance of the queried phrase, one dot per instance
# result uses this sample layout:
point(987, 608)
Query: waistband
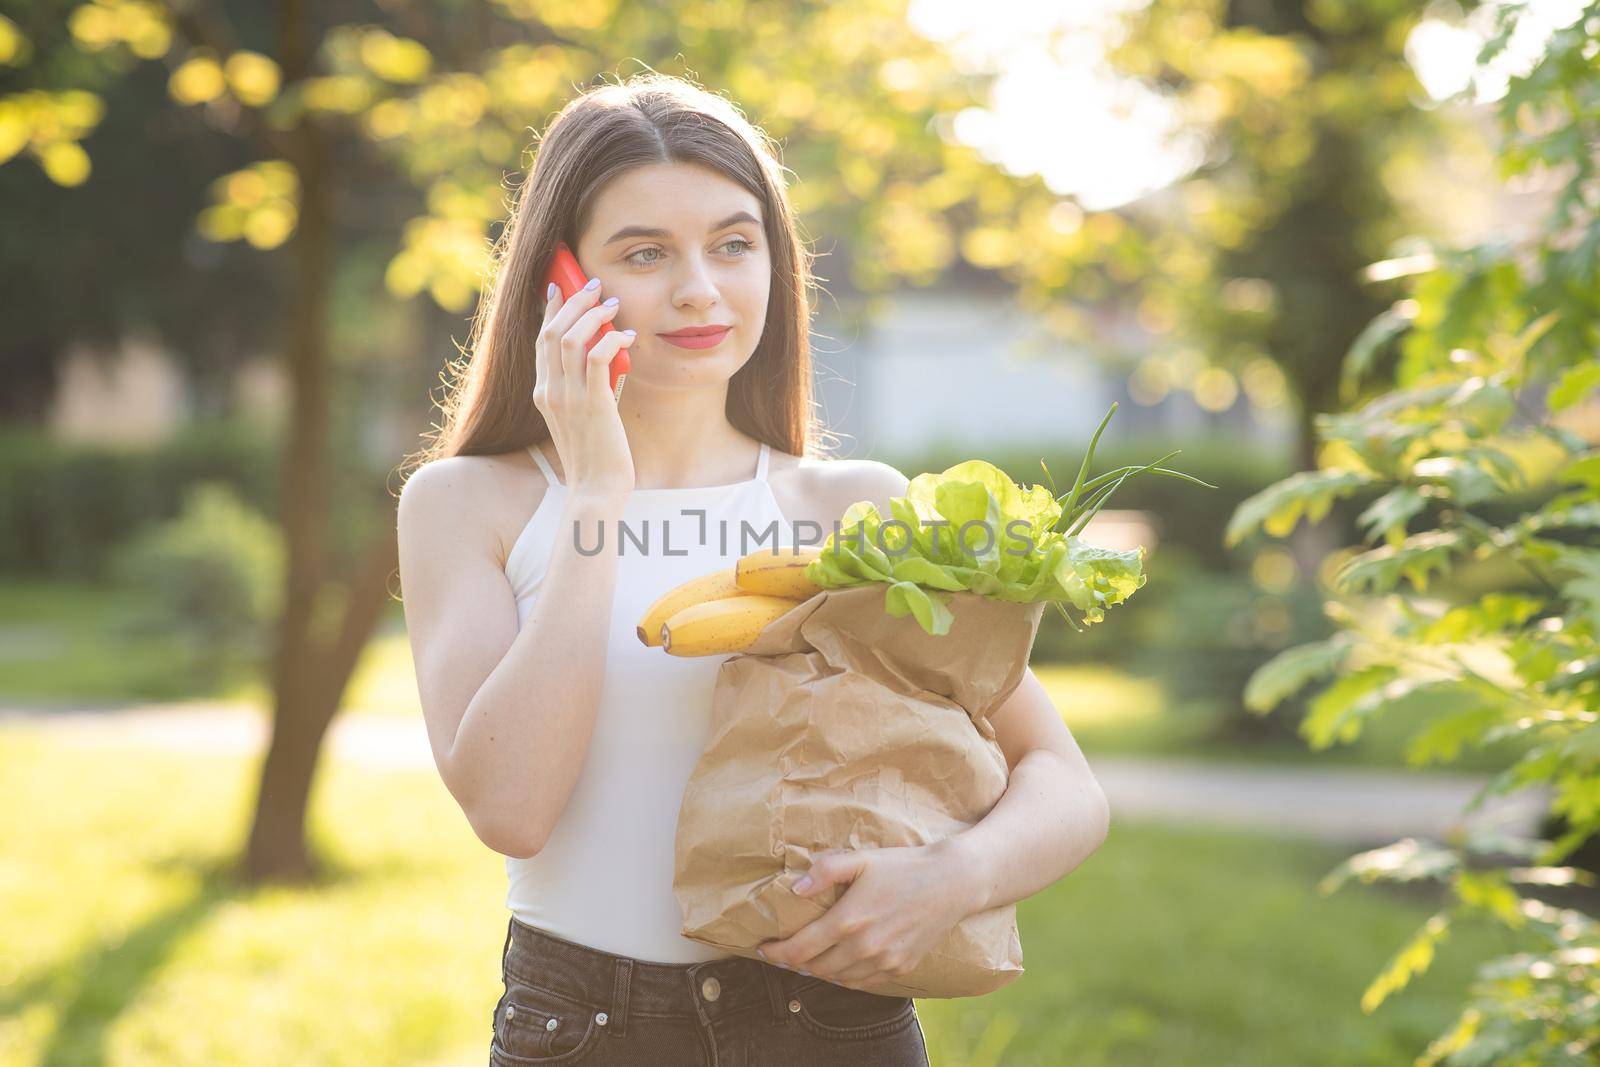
point(622, 986)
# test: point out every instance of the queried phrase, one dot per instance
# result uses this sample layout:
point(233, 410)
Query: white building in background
point(139, 394)
point(947, 369)
point(132, 396)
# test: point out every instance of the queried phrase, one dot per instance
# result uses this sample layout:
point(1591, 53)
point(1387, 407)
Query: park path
point(1356, 806)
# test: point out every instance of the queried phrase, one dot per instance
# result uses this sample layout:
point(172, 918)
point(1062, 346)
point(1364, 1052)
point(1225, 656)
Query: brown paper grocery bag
point(843, 727)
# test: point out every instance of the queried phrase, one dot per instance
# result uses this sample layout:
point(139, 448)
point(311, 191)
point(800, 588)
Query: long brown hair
point(651, 118)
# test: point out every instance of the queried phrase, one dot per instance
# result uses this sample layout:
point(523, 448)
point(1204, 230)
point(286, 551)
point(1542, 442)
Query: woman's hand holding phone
point(573, 392)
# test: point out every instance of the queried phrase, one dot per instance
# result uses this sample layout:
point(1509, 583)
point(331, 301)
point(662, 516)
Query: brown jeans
point(568, 1003)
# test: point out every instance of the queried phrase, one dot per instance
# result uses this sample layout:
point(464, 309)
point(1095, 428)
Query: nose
point(696, 287)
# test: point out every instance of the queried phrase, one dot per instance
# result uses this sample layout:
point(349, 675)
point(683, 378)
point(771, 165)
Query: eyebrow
point(651, 231)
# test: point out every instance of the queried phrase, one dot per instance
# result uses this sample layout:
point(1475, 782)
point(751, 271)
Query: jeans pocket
point(830, 1010)
point(532, 1025)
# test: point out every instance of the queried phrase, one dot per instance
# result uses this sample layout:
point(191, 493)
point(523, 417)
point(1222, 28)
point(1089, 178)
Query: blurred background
point(240, 243)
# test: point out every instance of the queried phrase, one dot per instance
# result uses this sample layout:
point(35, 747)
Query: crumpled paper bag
point(843, 727)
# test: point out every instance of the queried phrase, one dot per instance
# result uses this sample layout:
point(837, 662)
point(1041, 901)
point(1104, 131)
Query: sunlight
point(1117, 142)
point(1444, 47)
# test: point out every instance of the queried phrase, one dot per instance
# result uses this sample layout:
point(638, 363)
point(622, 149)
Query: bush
point(68, 506)
point(213, 575)
point(1472, 603)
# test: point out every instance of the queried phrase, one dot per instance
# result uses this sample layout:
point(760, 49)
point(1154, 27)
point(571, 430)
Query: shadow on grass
point(97, 985)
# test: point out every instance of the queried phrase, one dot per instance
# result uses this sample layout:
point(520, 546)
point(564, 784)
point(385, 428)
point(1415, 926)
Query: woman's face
point(707, 266)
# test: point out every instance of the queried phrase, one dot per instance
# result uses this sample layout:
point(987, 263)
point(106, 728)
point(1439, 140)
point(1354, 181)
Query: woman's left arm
point(1052, 816)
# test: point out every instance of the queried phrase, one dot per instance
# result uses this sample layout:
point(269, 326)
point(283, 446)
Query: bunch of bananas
point(726, 610)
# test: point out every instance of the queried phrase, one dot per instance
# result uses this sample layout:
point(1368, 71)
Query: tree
point(1253, 262)
point(1489, 507)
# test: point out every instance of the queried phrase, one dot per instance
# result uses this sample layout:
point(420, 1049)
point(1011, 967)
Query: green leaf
point(1413, 959)
point(1466, 482)
point(1279, 506)
point(1388, 515)
point(1338, 712)
point(1585, 470)
point(1574, 385)
point(1443, 740)
point(1088, 458)
point(1290, 670)
point(1493, 613)
point(1359, 359)
point(932, 615)
point(1490, 891)
point(1381, 569)
point(1408, 860)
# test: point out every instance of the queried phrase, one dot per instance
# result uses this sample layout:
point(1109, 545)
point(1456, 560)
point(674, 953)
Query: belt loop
point(774, 980)
point(619, 996)
point(506, 948)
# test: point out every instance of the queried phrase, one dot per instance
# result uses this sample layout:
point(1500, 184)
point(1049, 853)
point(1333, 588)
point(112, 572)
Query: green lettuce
point(1023, 547)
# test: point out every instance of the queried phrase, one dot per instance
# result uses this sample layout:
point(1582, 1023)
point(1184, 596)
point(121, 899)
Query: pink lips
point(696, 340)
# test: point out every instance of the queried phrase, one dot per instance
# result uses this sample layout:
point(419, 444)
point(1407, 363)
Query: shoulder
point(479, 496)
point(871, 479)
point(837, 483)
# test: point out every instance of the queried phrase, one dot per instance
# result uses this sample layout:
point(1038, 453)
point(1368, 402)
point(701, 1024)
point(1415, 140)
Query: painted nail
point(594, 283)
point(806, 973)
point(611, 302)
point(803, 884)
point(761, 952)
point(552, 292)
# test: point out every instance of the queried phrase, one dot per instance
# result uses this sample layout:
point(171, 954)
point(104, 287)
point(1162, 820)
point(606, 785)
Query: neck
point(682, 437)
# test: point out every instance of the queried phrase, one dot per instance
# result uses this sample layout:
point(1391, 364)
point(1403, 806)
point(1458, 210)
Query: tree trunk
point(308, 697)
point(304, 692)
point(301, 688)
point(316, 651)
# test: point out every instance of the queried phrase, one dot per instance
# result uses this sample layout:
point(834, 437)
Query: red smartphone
point(565, 272)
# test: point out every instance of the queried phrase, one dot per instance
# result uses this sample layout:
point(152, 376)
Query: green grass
point(78, 645)
point(126, 945)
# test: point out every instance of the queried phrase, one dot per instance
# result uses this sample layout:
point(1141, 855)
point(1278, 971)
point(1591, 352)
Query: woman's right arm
point(509, 713)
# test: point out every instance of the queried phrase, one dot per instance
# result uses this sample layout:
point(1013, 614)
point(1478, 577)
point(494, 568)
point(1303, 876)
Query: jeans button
point(601, 1018)
point(711, 989)
point(794, 1005)
point(552, 1024)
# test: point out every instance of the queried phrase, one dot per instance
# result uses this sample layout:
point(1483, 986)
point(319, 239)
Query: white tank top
point(604, 876)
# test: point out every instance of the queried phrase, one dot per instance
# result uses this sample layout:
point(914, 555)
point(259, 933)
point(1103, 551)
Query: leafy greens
point(1020, 543)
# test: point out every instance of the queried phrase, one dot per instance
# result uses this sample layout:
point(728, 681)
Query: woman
point(540, 530)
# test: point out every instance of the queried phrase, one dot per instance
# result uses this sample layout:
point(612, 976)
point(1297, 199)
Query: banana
point(778, 573)
point(719, 626)
point(708, 587)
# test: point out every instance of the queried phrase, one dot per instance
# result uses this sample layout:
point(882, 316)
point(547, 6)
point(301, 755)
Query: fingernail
point(806, 973)
point(594, 283)
point(803, 884)
point(550, 294)
point(761, 952)
point(630, 333)
point(611, 302)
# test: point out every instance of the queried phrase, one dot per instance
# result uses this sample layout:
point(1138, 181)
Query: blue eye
point(656, 259)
